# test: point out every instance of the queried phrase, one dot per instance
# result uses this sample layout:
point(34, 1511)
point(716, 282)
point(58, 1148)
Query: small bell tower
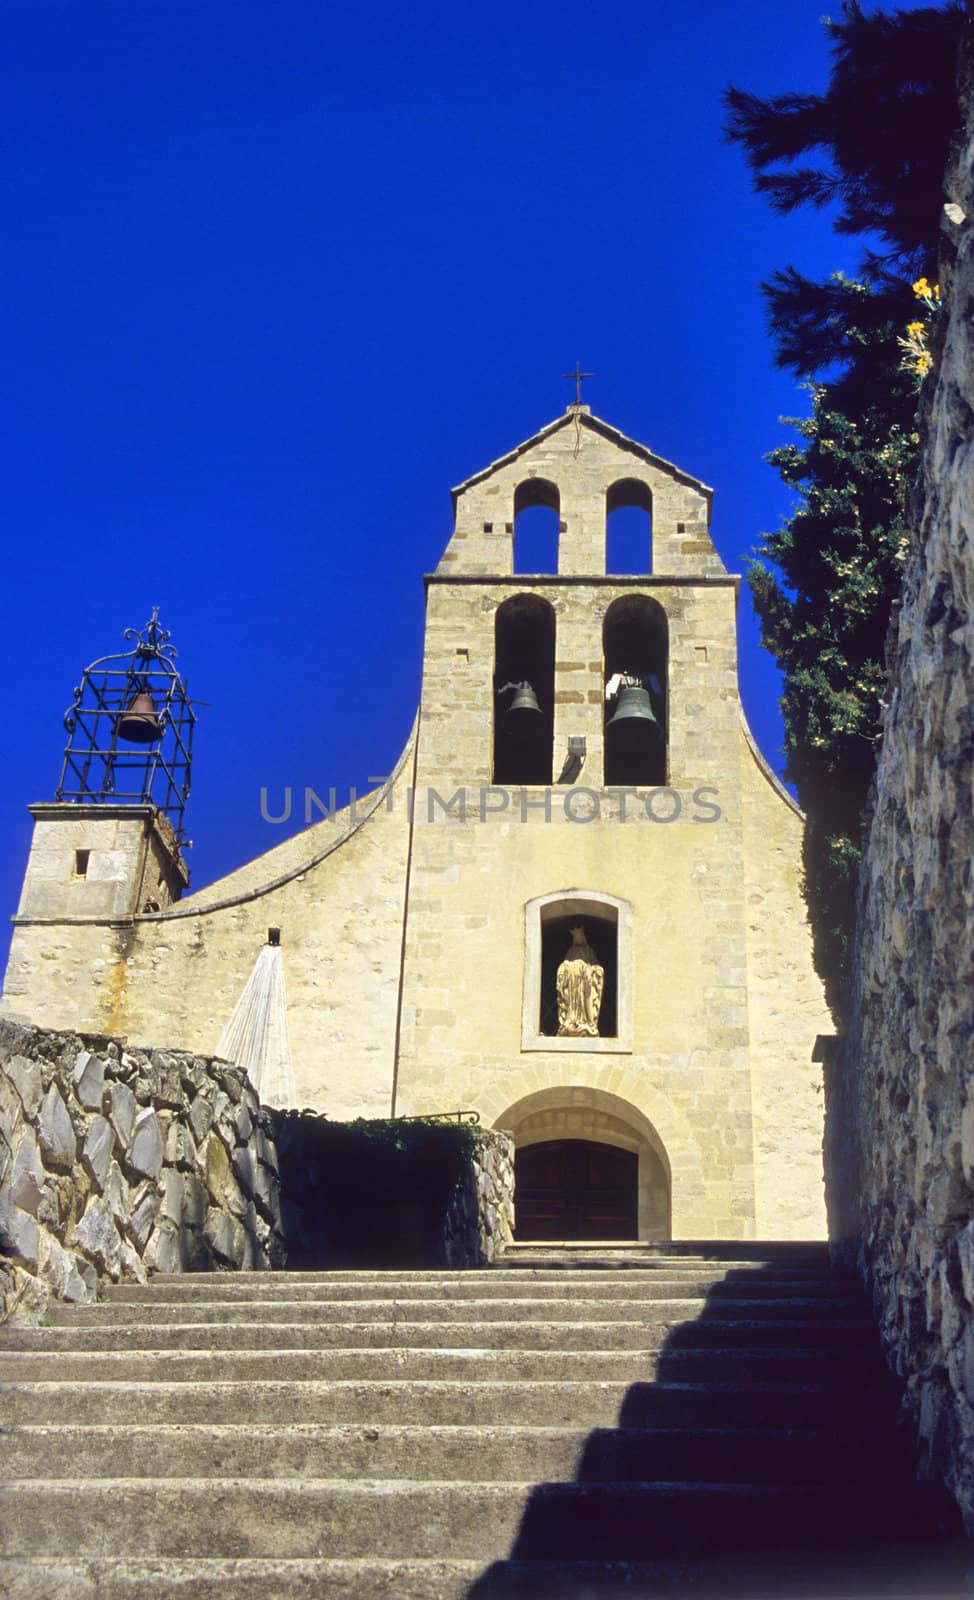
point(110, 844)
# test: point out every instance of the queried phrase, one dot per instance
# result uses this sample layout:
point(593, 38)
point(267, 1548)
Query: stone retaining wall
point(118, 1162)
point(900, 1094)
point(480, 1221)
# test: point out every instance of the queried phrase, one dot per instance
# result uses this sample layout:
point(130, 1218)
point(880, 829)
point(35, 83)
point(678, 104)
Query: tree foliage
point(881, 132)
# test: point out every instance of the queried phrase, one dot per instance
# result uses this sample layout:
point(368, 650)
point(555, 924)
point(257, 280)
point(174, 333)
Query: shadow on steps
point(764, 1462)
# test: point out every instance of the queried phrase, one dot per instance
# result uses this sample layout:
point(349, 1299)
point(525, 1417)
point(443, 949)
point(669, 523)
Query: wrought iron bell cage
point(150, 764)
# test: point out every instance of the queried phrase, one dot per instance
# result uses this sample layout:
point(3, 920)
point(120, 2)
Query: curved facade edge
point(308, 864)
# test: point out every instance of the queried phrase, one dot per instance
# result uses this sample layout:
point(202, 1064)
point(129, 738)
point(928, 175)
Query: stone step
point(479, 1288)
point(551, 1334)
point(304, 1517)
point(247, 1578)
point(832, 1320)
point(596, 1403)
point(484, 1453)
point(803, 1250)
point(473, 1364)
point(663, 1267)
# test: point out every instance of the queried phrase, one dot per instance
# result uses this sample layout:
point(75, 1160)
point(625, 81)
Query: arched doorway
point(590, 1186)
point(575, 1189)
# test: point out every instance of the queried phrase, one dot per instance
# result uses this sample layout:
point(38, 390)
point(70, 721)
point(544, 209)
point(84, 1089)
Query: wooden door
point(575, 1189)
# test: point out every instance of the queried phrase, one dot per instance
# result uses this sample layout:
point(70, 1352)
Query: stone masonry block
point(172, 1196)
point(200, 1117)
point(88, 1079)
point(57, 1138)
point(142, 1219)
point(225, 1236)
point(216, 1165)
point(98, 1149)
point(27, 1174)
point(162, 1253)
point(122, 1107)
point(164, 1080)
point(132, 1267)
point(965, 1251)
point(180, 1149)
point(146, 1150)
point(11, 1110)
point(195, 1201)
point(70, 1276)
point(117, 1196)
point(25, 1075)
point(19, 1234)
point(245, 1167)
point(97, 1235)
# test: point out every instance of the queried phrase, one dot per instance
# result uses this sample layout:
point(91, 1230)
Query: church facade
point(573, 908)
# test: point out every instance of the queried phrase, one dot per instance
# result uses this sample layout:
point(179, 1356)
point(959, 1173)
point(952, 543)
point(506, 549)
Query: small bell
point(634, 711)
point(523, 709)
point(138, 723)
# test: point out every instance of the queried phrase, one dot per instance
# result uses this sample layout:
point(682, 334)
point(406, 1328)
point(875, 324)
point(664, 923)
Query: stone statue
point(579, 986)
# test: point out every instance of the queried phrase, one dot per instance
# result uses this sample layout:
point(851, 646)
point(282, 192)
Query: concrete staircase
point(580, 1422)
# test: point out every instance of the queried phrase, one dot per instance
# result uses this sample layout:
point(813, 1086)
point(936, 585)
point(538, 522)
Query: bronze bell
point(138, 722)
point(633, 708)
point(522, 709)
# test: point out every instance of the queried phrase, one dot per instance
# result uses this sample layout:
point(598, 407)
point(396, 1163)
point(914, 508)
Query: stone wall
point(115, 1163)
point(900, 1094)
point(480, 1220)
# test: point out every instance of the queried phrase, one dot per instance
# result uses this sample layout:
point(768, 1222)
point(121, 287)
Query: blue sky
point(276, 275)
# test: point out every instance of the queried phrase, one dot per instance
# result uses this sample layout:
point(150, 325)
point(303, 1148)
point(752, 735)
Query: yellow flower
point(914, 329)
point(924, 362)
point(921, 289)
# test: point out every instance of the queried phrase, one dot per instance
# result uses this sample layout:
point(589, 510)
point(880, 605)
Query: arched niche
point(524, 671)
point(628, 527)
point(635, 648)
point(548, 920)
point(581, 1113)
point(537, 526)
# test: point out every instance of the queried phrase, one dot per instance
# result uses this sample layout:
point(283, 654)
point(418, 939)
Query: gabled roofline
point(597, 425)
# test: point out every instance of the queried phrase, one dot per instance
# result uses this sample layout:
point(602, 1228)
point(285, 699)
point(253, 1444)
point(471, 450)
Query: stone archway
point(596, 1117)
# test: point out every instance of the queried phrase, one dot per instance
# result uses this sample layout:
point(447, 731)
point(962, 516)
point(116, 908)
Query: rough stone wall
point(480, 1220)
point(116, 1162)
point(900, 1100)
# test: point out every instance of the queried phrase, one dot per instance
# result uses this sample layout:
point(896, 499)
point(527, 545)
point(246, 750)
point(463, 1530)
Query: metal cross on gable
point(578, 375)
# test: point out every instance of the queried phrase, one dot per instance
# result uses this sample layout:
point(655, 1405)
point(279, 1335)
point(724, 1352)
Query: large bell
point(138, 722)
point(633, 707)
point(523, 709)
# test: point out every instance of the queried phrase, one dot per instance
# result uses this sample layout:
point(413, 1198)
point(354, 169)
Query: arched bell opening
point(635, 652)
point(524, 690)
point(587, 1165)
point(537, 526)
point(628, 527)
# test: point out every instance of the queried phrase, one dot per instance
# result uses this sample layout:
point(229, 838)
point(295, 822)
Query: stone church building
point(574, 907)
